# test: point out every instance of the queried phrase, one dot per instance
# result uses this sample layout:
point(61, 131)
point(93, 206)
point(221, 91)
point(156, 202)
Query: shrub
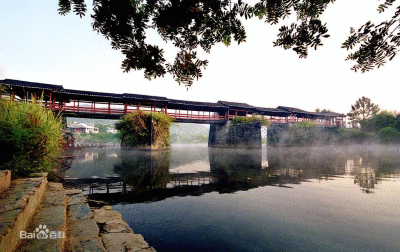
point(31, 137)
point(305, 125)
point(253, 118)
point(388, 134)
point(380, 121)
point(302, 133)
point(145, 129)
point(356, 136)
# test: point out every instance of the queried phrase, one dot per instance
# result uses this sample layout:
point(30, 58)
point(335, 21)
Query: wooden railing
point(122, 111)
point(188, 115)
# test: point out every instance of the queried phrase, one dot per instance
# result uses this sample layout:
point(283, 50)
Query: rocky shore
point(37, 215)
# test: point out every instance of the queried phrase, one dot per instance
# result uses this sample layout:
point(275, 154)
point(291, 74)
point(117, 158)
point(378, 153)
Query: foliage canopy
point(193, 24)
point(362, 110)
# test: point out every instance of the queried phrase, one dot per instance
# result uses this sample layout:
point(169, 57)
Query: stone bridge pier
point(276, 133)
point(243, 135)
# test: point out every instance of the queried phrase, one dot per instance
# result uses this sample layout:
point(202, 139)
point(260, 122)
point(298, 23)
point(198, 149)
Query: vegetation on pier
point(145, 129)
point(254, 118)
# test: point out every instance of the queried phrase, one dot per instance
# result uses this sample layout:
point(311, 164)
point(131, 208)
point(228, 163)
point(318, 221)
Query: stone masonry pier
point(242, 135)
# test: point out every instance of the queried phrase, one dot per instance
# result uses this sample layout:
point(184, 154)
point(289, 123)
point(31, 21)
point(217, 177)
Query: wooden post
point(51, 94)
point(109, 107)
point(125, 108)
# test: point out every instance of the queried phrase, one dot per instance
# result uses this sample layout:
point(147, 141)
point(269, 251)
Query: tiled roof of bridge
point(145, 97)
point(196, 103)
point(314, 114)
point(236, 105)
point(29, 84)
point(90, 93)
point(329, 114)
point(272, 111)
point(295, 110)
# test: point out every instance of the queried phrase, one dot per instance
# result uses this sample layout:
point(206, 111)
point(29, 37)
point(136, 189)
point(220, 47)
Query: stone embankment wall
point(242, 135)
point(5, 180)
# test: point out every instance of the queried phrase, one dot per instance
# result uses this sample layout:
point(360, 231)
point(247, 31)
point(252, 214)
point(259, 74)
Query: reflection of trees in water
point(144, 169)
point(186, 154)
point(366, 165)
point(243, 169)
point(235, 162)
point(366, 179)
point(306, 163)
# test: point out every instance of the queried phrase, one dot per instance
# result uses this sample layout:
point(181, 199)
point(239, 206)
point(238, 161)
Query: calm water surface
point(193, 198)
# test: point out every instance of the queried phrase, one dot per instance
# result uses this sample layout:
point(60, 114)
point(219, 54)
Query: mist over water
point(195, 198)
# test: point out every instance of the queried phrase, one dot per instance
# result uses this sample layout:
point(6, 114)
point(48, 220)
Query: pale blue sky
point(39, 45)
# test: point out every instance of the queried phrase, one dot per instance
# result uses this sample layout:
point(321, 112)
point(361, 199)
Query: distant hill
point(189, 133)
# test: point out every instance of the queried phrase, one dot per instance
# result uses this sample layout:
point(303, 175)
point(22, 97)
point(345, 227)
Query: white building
point(83, 128)
point(111, 130)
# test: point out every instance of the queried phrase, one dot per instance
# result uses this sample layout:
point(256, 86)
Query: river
point(195, 198)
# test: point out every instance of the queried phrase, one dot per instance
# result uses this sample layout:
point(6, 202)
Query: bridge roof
point(139, 97)
point(294, 110)
point(28, 84)
point(79, 94)
point(311, 114)
point(329, 114)
point(237, 105)
point(272, 111)
point(193, 105)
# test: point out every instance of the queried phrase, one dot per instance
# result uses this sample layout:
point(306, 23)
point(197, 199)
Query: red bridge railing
point(178, 114)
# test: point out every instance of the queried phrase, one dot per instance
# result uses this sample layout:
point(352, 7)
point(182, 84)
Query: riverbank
point(39, 215)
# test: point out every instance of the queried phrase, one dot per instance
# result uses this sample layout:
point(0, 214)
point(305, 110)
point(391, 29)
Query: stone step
point(83, 232)
point(18, 204)
point(36, 215)
point(47, 230)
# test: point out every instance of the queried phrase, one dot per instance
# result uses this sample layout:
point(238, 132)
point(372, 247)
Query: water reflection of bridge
point(148, 177)
point(180, 185)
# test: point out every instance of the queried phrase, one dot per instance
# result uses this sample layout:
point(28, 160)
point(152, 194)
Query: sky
point(39, 45)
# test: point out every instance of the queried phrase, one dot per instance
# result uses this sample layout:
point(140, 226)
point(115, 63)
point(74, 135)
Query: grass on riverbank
point(31, 138)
